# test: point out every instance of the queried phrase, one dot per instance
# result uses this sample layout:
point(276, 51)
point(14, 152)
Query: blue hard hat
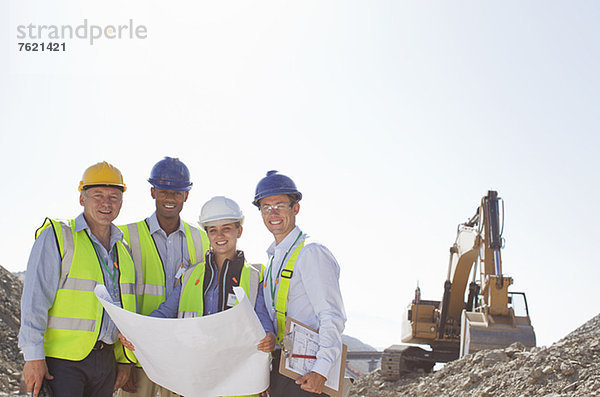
point(274, 184)
point(170, 174)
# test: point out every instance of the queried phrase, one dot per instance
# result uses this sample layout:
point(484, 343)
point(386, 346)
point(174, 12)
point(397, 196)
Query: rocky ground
point(11, 360)
point(570, 367)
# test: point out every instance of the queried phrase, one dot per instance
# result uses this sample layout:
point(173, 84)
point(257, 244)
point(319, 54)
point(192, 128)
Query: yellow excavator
point(490, 317)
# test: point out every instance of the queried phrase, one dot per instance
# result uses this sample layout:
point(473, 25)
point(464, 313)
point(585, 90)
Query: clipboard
point(297, 356)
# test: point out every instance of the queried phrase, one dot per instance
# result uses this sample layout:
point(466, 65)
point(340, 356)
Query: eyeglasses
point(268, 209)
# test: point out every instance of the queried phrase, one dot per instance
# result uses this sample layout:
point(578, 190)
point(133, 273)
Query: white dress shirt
point(314, 293)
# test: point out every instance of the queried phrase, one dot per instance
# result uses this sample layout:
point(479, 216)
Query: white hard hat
point(220, 210)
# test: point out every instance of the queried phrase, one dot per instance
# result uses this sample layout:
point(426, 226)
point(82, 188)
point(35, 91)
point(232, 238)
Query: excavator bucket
point(481, 331)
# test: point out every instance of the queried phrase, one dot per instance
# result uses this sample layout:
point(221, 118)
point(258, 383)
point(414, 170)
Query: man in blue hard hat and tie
point(302, 282)
point(162, 246)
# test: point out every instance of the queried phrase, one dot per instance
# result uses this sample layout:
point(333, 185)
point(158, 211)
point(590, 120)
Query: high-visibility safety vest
point(194, 284)
point(149, 266)
point(75, 318)
point(281, 299)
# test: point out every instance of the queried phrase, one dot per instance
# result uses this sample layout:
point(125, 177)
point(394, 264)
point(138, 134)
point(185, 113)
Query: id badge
point(231, 299)
point(180, 272)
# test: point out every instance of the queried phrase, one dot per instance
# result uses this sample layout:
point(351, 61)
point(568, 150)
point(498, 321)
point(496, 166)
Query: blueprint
point(211, 356)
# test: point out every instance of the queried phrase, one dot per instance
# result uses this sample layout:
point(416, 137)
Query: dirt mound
point(11, 360)
point(570, 367)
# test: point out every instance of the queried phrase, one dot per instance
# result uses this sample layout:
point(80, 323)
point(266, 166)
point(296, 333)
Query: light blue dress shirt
point(211, 295)
point(41, 284)
point(173, 251)
point(314, 293)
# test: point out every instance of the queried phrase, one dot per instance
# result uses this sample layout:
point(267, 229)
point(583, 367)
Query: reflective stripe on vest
point(281, 299)
point(197, 242)
point(256, 277)
point(191, 302)
point(149, 267)
point(77, 324)
point(75, 317)
point(132, 236)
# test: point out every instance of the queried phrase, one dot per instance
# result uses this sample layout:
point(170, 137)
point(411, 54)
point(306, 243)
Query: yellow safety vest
point(191, 302)
point(149, 267)
point(281, 299)
point(75, 318)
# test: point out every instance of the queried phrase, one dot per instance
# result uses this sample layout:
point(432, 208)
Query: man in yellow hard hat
point(162, 247)
point(67, 339)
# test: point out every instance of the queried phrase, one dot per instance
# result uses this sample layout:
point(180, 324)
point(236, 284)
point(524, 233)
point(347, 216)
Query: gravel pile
point(11, 360)
point(570, 367)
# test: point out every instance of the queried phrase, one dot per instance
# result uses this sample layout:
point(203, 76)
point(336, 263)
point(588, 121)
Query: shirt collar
point(115, 233)
point(154, 226)
point(286, 243)
point(239, 258)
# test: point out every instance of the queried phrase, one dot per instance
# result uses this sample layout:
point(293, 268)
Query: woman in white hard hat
point(224, 268)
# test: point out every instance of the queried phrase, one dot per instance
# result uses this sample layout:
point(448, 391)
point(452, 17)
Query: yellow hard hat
point(102, 174)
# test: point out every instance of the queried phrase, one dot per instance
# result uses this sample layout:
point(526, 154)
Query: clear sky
point(394, 118)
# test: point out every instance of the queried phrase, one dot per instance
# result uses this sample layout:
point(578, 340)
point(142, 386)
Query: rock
point(536, 373)
point(516, 347)
point(570, 387)
point(489, 389)
point(566, 369)
point(485, 373)
point(494, 356)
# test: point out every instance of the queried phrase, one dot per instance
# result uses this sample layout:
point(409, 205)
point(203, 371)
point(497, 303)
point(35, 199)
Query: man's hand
point(131, 385)
point(126, 342)
point(267, 344)
point(123, 372)
point(34, 373)
point(312, 382)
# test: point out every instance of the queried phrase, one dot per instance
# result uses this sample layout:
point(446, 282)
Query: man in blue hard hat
point(302, 282)
point(163, 246)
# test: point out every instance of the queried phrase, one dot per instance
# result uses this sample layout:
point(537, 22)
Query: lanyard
point(274, 286)
point(181, 269)
point(105, 264)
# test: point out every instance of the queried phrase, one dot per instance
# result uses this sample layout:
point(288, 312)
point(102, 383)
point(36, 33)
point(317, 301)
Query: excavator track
point(398, 359)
